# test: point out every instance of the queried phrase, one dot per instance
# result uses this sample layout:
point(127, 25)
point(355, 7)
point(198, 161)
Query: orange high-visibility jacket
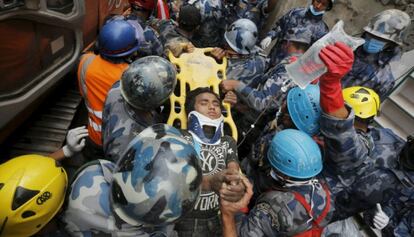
point(96, 77)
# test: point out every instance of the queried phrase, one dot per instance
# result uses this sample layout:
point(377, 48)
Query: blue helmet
point(295, 154)
point(158, 178)
point(304, 108)
point(117, 39)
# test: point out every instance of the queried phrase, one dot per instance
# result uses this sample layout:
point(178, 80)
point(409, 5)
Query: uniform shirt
point(245, 68)
point(278, 213)
point(89, 211)
point(254, 10)
point(355, 176)
point(267, 91)
point(211, 30)
point(372, 71)
point(214, 159)
point(96, 76)
point(121, 123)
point(295, 18)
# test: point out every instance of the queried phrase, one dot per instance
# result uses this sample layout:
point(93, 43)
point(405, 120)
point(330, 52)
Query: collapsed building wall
point(355, 13)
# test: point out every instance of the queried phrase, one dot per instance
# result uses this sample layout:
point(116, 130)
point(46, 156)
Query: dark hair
point(191, 98)
point(407, 154)
point(189, 17)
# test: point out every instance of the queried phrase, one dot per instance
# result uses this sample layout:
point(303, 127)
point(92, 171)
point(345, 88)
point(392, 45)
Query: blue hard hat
point(117, 39)
point(295, 154)
point(304, 108)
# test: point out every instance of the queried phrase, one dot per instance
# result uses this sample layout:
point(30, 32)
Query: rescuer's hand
point(75, 141)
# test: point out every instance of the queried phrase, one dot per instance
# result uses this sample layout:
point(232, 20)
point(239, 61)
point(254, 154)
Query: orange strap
point(306, 205)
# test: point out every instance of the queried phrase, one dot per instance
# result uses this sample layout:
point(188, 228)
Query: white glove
point(75, 141)
point(266, 42)
point(380, 219)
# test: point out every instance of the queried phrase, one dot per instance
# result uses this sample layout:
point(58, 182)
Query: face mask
point(196, 121)
point(315, 12)
point(373, 45)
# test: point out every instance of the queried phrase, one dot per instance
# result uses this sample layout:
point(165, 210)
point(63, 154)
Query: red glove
point(338, 59)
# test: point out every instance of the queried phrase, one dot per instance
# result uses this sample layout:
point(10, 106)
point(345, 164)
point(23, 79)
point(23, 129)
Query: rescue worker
point(32, 192)
point(117, 46)
point(300, 110)
point(255, 10)
point(262, 98)
point(298, 203)
point(212, 26)
point(310, 18)
point(178, 38)
point(156, 181)
point(364, 164)
point(218, 156)
point(384, 37)
point(141, 11)
point(132, 103)
point(244, 61)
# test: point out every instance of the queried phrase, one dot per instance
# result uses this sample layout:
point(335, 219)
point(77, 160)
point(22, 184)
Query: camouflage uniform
point(295, 18)
point(355, 176)
point(245, 68)
point(279, 213)
point(121, 123)
point(253, 10)
point(372, 71)
point(150, 45)
point(270, 89)
point(89, 212)
point(168, 31)
point(211, 30)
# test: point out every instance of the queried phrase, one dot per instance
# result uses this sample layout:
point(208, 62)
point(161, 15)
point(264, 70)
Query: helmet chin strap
point(196, 122)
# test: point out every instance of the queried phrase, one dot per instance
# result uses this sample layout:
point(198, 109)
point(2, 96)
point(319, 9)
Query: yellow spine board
point(195, 70)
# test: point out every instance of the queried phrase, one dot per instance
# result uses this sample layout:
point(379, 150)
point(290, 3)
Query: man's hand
point(230, 97)
point(75, 141)
point(230, 208)
point(266, 42)
point(229, 85)
point(218, 53)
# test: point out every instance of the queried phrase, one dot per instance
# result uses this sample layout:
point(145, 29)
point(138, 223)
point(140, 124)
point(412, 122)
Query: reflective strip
point(83, 70)
point(95, 126)
point(98, 114)
point(162, 11)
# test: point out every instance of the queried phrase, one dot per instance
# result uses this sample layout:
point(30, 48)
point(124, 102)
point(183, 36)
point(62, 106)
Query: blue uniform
point(362, 168)
point(267, 91)
point(295, 18)
point(150, 44)
point(245, 67)
point(121, 123)
point(211, 30)
point(372, 71)
point(254, 10)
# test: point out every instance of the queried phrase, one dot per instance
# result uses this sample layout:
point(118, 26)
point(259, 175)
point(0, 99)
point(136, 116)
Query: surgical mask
point(196, 122)
point(315, 12)
point(373, 45)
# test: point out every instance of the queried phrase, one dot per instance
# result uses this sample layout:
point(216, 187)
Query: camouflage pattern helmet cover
point(148, 82)
point(391, 24)
point(158, 178)
point(242, 36)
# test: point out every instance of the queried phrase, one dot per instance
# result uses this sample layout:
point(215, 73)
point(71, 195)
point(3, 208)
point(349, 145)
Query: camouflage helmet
point(158, 178)
point(148, 82)
point(242, 36)
point(330, 6)
point(390, 24)
point(299, 34)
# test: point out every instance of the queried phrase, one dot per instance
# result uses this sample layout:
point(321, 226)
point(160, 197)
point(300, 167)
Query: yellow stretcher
point(195, 70)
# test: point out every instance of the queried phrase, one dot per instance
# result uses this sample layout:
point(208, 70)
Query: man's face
point(208, 105)
point(320, 5)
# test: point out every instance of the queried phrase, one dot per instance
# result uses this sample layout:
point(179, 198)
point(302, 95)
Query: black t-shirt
point(213, 159)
